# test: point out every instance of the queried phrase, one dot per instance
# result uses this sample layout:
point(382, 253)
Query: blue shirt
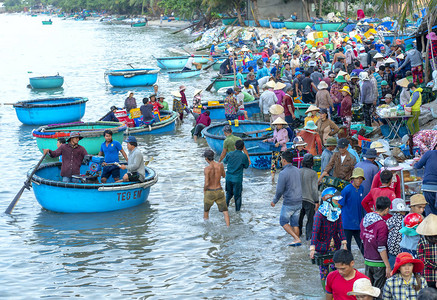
point(289, 186)
point(324, 159)
point(370, 170)
point(429, 161)
point(111, 117)
point(111, 151)
point(236, 161)
point(262, 73)
point(351, 211)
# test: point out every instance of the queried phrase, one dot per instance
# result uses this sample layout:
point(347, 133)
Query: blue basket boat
point(138, 24)
point(264, 23)
point(179, 62)
point(217, 112)
point(132, 77)
point(166, 125)
point(277, 25)
point(50, 110)
point(46, 82)
point(55, 195)
point(183, 74)
point(252, 133)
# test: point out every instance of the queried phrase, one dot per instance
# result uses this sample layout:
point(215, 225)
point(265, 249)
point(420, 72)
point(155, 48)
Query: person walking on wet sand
point(290, 188)
point(212, 189)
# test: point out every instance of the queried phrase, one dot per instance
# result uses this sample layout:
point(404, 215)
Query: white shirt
point(342, 158)
point(189, 63)
point(240, 100)
point(267, 99)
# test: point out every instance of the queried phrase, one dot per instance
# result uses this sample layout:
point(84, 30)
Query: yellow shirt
point(312, 118)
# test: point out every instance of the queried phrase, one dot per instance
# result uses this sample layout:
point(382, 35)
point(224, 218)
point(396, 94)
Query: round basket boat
point(167, 125)
point(46, 136)
point(252, 133)
point(217, 110)
point(55, 195)
point(132, 77)
point(46, 82)
point(50, 110)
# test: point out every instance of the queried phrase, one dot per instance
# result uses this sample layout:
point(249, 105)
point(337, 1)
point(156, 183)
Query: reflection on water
point(162, 249)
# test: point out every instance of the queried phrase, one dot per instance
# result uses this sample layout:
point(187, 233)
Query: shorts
point(109, 171)
point(217, 196)
point(290, 215)
point(134, 176)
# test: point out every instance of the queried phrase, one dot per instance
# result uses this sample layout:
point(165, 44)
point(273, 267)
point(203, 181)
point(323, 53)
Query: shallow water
point(160, 250)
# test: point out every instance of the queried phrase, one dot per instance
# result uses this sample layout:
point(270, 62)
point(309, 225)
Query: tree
point(255, 12)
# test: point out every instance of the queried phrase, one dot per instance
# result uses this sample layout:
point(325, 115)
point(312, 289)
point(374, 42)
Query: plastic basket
point(322, 259)
point(135, 113)
point(268, 146)
point(325, 34)
point(213, 103)
point(329, 46)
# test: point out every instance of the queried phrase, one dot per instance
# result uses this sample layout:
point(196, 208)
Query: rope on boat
point(46, 132)
point(143, 185)
point(35, 104)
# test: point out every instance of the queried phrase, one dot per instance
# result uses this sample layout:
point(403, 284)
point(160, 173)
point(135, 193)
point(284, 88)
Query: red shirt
point(346, 107)
point(71, 158)
point(395, 184)
point(338, 287)
point(286, 100)
point(369, 202)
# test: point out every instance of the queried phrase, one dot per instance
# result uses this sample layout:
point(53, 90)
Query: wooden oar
point(207, 67)
point(25, 186)
point(130, 65)
point(8, 103)
point(258, 131)
point(212, 83)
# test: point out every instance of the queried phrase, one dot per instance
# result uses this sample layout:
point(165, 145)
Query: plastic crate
point(325, 34)
point(319, 35)
point(322, 259)
point(330, 181)
point(326, 40)
point(406, 150)
point(329, 46)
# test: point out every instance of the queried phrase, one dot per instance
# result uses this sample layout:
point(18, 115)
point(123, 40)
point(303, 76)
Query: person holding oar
point(72, 157)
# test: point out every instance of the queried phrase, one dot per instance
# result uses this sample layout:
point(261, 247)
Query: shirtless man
point(212, 189)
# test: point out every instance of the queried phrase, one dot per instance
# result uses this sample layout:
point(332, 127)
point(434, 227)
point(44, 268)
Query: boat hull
point(54, 195)
point(92, 132)
point(183, 74)
point(46, 82)
point(50, 111)
point(264, 23)
point(140, 24)
point(217, 64)
point(162, 127)
point(229, 21)
point(339, 26)
point(297, 25)
point(261, 161)
point(301, 109)
point(179, 62)
point(221, 83)
point(47, 22)
point(218, 112)
point(133, 77)
point(277, 25)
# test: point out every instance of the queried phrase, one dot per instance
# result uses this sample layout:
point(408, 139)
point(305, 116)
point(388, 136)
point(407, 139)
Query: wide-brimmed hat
point(197, 91)
point(358, 172)
point(279, 86)
point(400, 56)
point(428, 226)
point(384, 82)
point(389, 60)
point(245, 49)
point(404, 82)
point(378, 55)
point(409, 47)
point(276, 109)
point(74, 135)
point(271, 84)
point(399, 205)
point(313, 50)
point(354, 75)
point(404, 258)
point(332, 141)
point(279, 121)
point(346, 89)
point(340, 78)
point(298, 141)
point(378, 146)
point(310, 125)
point(342, 73)
point(432, 36)
point(182, 88)
point(176, 94)
point(363, 287)
point(322, 85)
point(371, 153)
point(312, 108)
point(417, 199)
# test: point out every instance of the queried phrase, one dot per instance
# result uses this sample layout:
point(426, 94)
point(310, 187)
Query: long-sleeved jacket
point(414, 57)
point(281, 137)
point(341, 170)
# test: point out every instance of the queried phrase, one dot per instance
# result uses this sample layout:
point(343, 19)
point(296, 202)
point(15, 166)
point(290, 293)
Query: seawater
point(160, 250)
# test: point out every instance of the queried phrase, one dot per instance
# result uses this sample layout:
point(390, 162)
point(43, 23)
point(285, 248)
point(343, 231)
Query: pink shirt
point(280, 137)
point(279, 94)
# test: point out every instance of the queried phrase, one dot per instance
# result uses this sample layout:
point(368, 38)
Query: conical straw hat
point(428, 225)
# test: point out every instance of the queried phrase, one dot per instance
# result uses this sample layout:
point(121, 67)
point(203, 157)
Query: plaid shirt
point(324, 231)
point(396, 288)
point(427, 253)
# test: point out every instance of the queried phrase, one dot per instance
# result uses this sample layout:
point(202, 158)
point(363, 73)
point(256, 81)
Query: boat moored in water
point(88, 197)
point(183, 74)
point(132, 77)
point(179, 62)
point(50, 110)
point(217, 111)
point(166, 124)
point(46, 136)
point(46, 82)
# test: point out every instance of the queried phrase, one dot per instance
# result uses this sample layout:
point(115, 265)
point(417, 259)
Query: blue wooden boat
point(47, 136)
point(217, 112)
point(50, 110)
point(138, 24)
point(264, 23)
point(259, 158)
point(179, 62)
point(250, 23)
point(277, 25)
point(46, 82)
point(183, 74)
point(332, 26)
point(132, 77)
point(166, 125)
point(47, 22)
point(55, 195)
